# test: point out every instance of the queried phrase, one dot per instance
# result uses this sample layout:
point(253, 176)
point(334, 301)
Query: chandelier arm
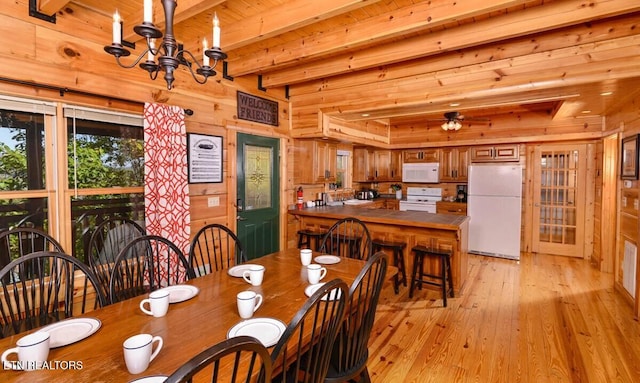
point(203, 70)
point(134, 63)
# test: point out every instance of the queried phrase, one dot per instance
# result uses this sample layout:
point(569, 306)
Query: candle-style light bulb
point(216, 31)
point(148, 12)
point(117, 29)
point(205, 58)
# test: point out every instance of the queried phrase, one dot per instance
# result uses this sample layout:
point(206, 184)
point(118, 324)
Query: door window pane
point(258, 165)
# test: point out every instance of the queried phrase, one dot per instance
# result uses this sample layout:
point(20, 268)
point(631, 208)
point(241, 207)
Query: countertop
point(385, 216)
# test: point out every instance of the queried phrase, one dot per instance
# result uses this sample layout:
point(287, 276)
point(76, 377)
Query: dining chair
point(106, 242)
point(238, 359)
point(348, 237)
point(145, 264)
point(21, 241)
point(302, 353)
point(350, 350)
point(215, 247)
point(45, 287)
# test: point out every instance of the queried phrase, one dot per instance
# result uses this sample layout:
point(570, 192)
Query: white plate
point(267, 330)
point(181, 293)
point(69, 331)
point(150, 379)
point(327, 259)
point(313, 288)
point(236, 271)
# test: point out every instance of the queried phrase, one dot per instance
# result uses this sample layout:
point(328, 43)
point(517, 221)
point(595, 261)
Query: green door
point(258, 199)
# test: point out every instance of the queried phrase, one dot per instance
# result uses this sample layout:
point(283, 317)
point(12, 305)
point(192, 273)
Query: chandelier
point(169, 54)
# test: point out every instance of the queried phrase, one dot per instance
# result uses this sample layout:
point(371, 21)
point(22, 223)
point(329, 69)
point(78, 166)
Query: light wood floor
point(544, 319)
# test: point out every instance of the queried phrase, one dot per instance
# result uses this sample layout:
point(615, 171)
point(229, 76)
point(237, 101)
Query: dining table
point(189, 327)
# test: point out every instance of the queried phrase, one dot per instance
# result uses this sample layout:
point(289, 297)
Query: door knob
point(241, 218)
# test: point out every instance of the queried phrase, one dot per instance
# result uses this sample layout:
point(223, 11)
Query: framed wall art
point(629, 158)
point(204, 157)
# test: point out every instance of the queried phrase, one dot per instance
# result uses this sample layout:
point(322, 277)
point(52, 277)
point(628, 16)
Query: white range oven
point(421, 199)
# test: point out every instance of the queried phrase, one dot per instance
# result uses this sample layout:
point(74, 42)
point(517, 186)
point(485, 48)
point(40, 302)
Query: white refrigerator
point(494, 204)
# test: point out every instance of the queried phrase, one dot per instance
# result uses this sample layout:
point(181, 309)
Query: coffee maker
point(461, 195)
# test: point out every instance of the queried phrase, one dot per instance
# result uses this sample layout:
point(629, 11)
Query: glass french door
point(559, 200)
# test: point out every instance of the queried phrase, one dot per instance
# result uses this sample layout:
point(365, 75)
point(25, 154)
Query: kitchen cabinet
point(421, 155)
point(454, 164)
point(445, 207)
point(392, 204)
point(315, 161)
point(497, 153)
point(376, 165)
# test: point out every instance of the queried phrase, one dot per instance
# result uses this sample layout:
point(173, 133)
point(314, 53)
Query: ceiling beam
point(285, 18)
point(528, 21)
point(185, 10)
point(51, 7)
point(409, 19)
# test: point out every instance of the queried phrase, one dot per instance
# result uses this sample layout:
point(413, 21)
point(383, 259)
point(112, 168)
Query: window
point(343, 179)
point(102, 176)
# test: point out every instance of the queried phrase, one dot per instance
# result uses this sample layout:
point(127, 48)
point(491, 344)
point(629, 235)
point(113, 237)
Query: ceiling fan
point(453, 120)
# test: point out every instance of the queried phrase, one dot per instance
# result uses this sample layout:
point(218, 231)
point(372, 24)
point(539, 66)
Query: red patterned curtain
point(166, 183)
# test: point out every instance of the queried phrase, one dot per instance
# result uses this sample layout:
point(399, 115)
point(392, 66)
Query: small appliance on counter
point(461, 195)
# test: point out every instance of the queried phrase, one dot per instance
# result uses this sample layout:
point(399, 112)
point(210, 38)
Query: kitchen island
point(440, 231)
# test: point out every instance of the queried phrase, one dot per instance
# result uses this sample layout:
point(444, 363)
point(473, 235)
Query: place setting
point(267, 330)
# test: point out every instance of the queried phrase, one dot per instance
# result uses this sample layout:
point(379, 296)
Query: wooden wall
point(39, 52)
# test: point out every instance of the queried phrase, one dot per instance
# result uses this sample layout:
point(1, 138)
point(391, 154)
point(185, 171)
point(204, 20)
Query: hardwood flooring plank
point(543, 319)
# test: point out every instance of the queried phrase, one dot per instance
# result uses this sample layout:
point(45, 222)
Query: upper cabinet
point(497, 153)
point(421, 155)
point(315, 161)
point(370, 165)
point(454, 164)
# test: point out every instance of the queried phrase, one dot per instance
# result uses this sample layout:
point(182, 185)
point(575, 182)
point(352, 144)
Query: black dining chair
point(350, 350)
point(45, 287)
point(348, 237)
point(238, 359)
point(107, 241)
point(146, 264)
point(20, 241)
point(215, 247)
point(302, 353)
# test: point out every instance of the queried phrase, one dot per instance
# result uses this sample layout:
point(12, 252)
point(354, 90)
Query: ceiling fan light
point(457, 125)
point(445, 126)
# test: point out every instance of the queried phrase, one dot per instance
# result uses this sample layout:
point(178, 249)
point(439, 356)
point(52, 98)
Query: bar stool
point(306, 237)
point(397, 250)
point(418, 275)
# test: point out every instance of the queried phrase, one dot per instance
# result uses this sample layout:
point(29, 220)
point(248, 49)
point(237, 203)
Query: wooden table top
point(387, 216)
point(188, 328)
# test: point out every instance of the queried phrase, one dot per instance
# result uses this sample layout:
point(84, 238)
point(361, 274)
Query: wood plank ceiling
point(400, 61)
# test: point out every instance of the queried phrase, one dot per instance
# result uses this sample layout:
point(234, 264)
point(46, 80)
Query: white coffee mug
point(32, 350)
point(254, 275)
point(248, 302)
point(158, 303)
point(315, 273)
point(139, 352)
point(305, 256)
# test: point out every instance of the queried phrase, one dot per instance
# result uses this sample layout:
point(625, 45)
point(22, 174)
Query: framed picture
point(629, 165)
point(204, 156)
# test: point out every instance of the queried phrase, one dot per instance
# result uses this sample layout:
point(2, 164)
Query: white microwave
point(426, 172)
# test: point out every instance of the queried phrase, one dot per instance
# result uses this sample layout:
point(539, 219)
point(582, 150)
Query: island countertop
point(386, 216)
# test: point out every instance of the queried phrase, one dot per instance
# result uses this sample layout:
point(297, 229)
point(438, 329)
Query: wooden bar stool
point(418, 275)
point(397, 250)
point(306, 237)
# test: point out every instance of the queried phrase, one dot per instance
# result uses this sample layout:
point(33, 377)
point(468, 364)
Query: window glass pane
point(87, 212)
point(21, 151)
point(106, 154)
point(23, 212)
